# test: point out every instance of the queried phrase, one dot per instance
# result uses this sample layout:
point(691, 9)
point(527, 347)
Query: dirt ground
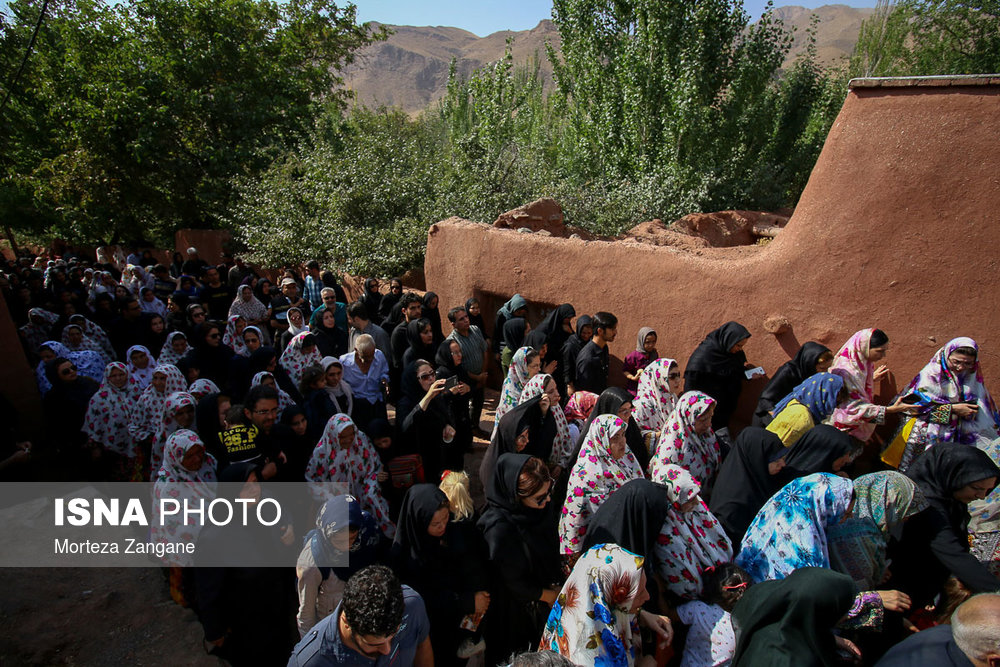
point(125, 616)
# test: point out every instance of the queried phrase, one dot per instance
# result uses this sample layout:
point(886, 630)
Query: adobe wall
point(896, 228)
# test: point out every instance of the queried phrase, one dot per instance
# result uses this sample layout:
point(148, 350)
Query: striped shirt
point(473, 349)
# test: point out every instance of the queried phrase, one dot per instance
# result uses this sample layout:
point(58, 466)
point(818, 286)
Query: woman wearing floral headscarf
point(577, 411)
point(789, 532)
point(233, 337)
point(808, 404)
point(107, 421)
point(148, 411)
point(659, 386)
point(596, 617)
point(952, 403)
point(87, 363)
point(38, 329)
point(563, 444)
point(249, 307)
point(984, 524)
point(345, 455)
point(202, 387)
point(691, 539)
point(74, 338)
point(855, 362)
point(300, 353)
point(187, 470)
point(94, 333)
point(603, 466)
point(178, 413)
point(140, 366)
point(174, 348)
point(523, 366)
point(687, 439)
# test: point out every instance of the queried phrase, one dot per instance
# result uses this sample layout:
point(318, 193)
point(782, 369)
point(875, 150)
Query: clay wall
point(896, 229)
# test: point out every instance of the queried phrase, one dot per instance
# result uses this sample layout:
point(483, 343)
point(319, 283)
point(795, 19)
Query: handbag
point(893, 454)
point(405, 471)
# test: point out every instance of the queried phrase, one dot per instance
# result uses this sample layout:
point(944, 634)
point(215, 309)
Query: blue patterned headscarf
point(818, 393)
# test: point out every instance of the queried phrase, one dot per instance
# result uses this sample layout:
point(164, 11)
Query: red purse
point(405, 471)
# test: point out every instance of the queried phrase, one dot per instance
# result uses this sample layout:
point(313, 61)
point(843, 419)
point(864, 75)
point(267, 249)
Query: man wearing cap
point(289, 298)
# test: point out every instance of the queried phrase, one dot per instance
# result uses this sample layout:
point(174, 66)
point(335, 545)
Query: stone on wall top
point(925, 81)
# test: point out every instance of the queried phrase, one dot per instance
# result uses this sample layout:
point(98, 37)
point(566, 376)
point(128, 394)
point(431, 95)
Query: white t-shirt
point(711, 641)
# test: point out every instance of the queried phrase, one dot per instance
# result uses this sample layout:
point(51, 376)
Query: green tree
point(133, 119)
point(926, 37)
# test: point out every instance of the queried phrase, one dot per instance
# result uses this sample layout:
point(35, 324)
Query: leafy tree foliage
point(133, 119)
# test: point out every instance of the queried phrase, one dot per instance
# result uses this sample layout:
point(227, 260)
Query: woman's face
point(157, 325)
point(333, 375)
point(241, 324)
point(522, 440)
point(148, 296)
point(439, 522)
point(960, 363)
point(319, 382)
point(179, 344)
point(473, 309)
point(382, 443)
point(427, 335)
point(346, 437)
point(252, 341)
point(295, 317)
point(675, 380)
point(185, 416)
point(552, 391)
point(586, 333)
point(425, 374)
point(159, 382)
point(46, 354)
point(121, 292)
point(194, 457)
point(642, 595)
point(118, 378)
point(342, 540)
point(140, 359)
point(844, 460)
point(824, 362)
point(739, 346)
point(67, 371)
point(75, 336)
point(649, 342)
point(433, 304)
point(456, 353)
point(213, 337)
point(373, 287)
point(703, 424)
point(567, 325)
point(329, 321)
point(246, 293)
point(299, 424)
point(625, 411)
point(975, 491)
point(540, 499)
point(878, 353)
point(534, 366)
point(268, 381)
point(197, 316)
point(272, 364)
point(616, 445)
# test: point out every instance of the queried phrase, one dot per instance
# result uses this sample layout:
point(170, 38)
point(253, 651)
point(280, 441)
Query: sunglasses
point(424, 376)
point(68, 371)
point(213, 336)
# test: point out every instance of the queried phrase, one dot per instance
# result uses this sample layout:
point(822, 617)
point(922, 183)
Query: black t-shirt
point(218, 300)
point(592, 368)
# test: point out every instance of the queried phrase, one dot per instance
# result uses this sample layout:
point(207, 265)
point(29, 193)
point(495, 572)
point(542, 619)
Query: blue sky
point(483, 17)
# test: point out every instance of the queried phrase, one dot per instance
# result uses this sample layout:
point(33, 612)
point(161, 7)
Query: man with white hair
point(193, 265)
point(366, 371)
point(972, 639)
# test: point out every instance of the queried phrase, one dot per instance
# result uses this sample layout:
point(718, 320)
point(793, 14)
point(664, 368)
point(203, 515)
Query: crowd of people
point(624, 523)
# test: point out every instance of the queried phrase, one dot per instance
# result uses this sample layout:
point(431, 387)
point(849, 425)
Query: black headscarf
point(513, 333)
point(947, 467)
point(814, 452)
point(536, 340)
point(631, 517)
point(791, 621)
point(788, 376)
point(417, 349)
point(206, 416)
point(387, 304)
point(412, 542)
point(476, 320)
point(609, 403)
point(552, 328)
point(744, 484)
point(330, 341)
point(372, 298)
point(434, 315)
point(446, 366)
point(536, 527)
point(713, 356)
point(526, 416)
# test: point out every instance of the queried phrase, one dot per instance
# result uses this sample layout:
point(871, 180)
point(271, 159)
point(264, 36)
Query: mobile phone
point(451, 382)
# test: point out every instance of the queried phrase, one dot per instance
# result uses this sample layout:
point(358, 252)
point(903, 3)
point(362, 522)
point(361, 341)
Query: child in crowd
point(711, 641)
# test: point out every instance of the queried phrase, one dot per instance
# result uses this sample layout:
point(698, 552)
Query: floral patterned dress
point(140, 377)
point(595, 476)
point(294, 361)
point(233, 339)
point(513, 385)
point(653, 400)
point(175, 481)
point(690, 541)
point(168, 424)
point(591, 622)
point(858, 416)
point(107, 417)
point(680, 445)
point(563, 445)
point(167, 354)
point(356, 466)
point(149, 408)
point(202, 387)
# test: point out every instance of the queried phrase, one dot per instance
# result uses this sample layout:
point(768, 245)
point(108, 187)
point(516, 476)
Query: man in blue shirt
point(367, 372)
point(313, 285)
point(378, 622)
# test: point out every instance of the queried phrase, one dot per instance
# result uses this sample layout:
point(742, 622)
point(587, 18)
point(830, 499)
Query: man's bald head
point(975, 627)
